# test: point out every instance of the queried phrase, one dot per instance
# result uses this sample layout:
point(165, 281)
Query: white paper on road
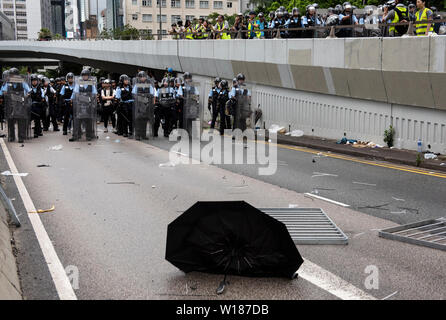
point(9, 173)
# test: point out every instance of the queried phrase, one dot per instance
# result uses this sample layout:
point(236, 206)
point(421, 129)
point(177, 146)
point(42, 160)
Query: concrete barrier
point(9, 280)
point(406, 71)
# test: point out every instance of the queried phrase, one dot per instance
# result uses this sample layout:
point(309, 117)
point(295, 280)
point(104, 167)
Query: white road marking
point(57, 271)
point(390, 295)
point(321, 174)
point(397, 199)
point(365, 183)
point(326, 199)
point(331, 283)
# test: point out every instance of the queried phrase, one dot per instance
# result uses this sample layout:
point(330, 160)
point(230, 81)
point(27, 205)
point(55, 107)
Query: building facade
point(7, 30)
point(114, 13)
point(15, 10)
point(72, 23)
point(29, 16)
point(58, 17)
point(144, 15)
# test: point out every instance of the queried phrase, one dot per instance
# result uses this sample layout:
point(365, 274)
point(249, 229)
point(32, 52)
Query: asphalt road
point(113, 203)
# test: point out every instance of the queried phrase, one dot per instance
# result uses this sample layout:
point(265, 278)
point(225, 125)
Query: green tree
point(45, 34)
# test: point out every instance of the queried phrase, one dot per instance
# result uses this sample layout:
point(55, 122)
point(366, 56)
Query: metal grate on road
point(308, 225)
point(429, 233)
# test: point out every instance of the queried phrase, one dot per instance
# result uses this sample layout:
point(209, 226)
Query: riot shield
point(166, 98)
point(243, 113)
point(84, 108)
point(143, 110)
point(192, 109)
point(17, 104)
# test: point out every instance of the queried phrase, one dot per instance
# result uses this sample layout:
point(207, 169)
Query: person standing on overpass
point(424, 14)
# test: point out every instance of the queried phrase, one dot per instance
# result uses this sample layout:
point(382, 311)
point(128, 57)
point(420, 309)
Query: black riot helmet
point(142, 74)
point(5, 74)
point(240, 76)
point(217, 81)
point(85, 73)
point(14, 72)
point(70, 75)
point(224, 84)
point(234, 81)
point(34, 77)
point(122, 78)
point(187, 76)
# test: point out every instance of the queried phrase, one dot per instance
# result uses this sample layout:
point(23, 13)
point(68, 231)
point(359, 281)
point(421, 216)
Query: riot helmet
point(224, 84)
point(14, 72)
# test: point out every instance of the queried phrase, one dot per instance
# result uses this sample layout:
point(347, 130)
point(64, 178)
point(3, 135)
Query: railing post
point(410, 30)
point(332, 33)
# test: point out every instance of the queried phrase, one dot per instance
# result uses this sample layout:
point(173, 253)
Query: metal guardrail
point(308, 225)
point(9, 207)
point(320, 31)
point(429, 233)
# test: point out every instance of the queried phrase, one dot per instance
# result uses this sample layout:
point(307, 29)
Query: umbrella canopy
point(231, 237)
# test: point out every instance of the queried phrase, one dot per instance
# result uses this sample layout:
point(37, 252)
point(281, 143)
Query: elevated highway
point(327, 87)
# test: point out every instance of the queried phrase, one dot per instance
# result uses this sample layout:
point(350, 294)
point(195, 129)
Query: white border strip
point(57, 271)
point(331, 283)
point(328, 200)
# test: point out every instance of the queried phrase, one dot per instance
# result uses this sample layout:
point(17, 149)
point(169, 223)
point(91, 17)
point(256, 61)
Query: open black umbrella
point(231, 237)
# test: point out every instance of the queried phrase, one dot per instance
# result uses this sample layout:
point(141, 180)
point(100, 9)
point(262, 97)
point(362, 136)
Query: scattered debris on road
point(43, 166)
point(9, 173)
point(44, 210)
point(58, 147)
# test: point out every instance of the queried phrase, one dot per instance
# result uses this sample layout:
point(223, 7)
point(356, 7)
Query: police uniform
point(22, 124)
point(141, 123)
point(213, 97)
point(37, 109)
point(67, 107)
point(235, 94)
point(88, 123)
point(125, 125)
point(50, 99)
point(225, 119)
point(166, 107)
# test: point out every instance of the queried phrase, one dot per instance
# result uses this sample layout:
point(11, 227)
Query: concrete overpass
point(327, 87)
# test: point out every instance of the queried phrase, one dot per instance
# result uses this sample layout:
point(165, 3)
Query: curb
point(357, 153)
point(9, 279)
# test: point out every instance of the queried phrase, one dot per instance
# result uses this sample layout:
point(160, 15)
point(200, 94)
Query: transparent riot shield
point(192, 111)
point(17, 104)
point(243, 113)
point(143, 110)
point(84, 108)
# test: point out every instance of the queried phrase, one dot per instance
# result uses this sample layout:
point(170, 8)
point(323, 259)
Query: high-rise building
point(144, 15)
point(114, 14)
point(58, 17)
point(7, 31)
point(29, 16)
point(72, 25)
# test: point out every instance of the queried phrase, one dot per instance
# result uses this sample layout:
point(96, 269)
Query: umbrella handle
point(222, 286)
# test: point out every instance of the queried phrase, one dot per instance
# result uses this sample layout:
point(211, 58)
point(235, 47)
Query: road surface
point(113, 204)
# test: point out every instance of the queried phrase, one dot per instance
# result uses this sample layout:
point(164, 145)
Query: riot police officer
point(144, 100)
point(84, 99)
point(166, 99)
point(241, 102)
point(294, 22)
point(212, 101)
point(222, 99)
point(16, 104)
point(50, 100)
point(37, 105)
point(191, 110)
point(124, 96)
point(179, 83)
point(65, 97)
